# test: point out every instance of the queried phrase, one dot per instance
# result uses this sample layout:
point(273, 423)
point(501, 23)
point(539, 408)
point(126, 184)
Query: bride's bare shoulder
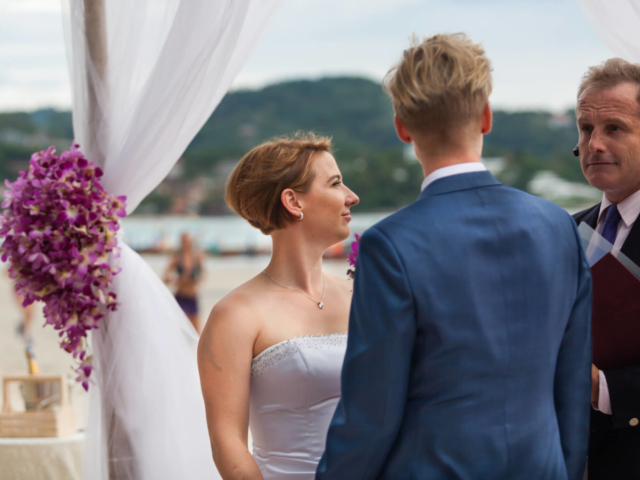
point(238, 310)
point(230, 332)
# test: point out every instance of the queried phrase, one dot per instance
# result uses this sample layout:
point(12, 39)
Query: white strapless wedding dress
point(295, 387)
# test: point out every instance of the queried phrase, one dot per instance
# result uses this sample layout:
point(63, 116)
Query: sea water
point(223, 234)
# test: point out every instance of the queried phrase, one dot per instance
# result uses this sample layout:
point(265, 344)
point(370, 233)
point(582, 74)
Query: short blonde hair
point(610, 74)
point(257, 182)
point(442, 82)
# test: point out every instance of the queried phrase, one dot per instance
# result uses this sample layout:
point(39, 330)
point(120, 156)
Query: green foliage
point(54, 122)
point(521, 168)
point(203, 160)
point(18, 121)
point(13, 159)
point(567, 166)
point(155, 203)
point(381, 178)
point(533, 132)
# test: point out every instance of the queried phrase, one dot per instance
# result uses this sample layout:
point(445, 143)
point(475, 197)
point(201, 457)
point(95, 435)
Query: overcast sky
point(539, 48)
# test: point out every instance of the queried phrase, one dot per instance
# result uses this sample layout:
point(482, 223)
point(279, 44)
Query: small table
point(41, 458)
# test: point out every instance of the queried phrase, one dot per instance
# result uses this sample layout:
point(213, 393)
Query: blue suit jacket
point(469, 352)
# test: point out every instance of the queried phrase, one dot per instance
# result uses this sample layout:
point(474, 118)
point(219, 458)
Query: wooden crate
point(47, 422)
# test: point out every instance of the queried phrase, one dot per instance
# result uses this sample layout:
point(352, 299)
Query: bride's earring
point(301, 216)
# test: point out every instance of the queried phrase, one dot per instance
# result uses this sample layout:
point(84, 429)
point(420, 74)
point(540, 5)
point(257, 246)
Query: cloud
point(539, 48)
point(14, 97)
point(30, 6)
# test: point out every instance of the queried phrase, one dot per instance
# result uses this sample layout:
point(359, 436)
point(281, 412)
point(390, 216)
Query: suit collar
point(629, 208)
point(462, 181)
point(631, 247)
point(456, 169)
point(590, 216)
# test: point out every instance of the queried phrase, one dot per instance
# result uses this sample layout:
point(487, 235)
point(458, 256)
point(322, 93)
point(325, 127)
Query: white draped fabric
point(146, 75)
point(617, 23)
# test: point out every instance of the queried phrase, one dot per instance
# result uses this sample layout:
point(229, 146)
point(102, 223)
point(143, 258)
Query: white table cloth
point(41, 458)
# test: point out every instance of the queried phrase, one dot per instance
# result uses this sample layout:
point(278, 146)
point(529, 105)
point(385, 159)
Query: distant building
point(562, 120)
point(33, 141)
point(495, 165)
point(224, 168)
point(549, 185)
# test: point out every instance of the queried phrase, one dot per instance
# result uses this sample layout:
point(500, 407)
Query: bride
point(271, 353)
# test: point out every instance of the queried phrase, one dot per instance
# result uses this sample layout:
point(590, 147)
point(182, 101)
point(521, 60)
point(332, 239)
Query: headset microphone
point(576, 152)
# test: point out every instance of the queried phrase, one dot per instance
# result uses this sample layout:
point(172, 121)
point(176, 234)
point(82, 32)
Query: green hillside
point(354, 111)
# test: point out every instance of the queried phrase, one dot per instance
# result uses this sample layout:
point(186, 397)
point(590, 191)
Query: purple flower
point(84, 371)
point(38, 259)
point(118, 206)
point(353, 256)
point(57, 233)
point(354, 251)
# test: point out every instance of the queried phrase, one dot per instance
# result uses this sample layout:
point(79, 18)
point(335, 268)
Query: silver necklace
point(324, 288)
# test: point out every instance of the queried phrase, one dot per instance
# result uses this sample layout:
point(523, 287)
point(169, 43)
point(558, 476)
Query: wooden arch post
point(121, 460)
point(95, 29)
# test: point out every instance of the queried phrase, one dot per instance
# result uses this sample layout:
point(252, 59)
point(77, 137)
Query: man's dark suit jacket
point(614, 450)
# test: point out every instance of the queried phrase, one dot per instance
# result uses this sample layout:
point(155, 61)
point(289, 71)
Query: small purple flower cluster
point(353, 257)
point(59, 227)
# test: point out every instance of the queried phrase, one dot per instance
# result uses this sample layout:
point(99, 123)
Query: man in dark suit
point(469, 349)
point(608, 116)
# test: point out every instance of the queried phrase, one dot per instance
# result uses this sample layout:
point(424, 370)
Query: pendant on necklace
point(320, 305)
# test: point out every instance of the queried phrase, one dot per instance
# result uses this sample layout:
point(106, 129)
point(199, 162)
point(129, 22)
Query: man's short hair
point(610, 74)
point(441, 83)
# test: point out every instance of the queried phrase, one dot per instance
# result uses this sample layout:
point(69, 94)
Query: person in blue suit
point(469, 351)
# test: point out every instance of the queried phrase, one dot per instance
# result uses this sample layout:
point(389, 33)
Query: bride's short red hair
point(258, 180)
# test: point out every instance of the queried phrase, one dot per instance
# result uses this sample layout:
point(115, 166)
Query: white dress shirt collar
point(629, 208)
point(452, 170)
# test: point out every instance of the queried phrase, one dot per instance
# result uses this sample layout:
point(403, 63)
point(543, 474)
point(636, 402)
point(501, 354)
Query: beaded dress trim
point(275, 354)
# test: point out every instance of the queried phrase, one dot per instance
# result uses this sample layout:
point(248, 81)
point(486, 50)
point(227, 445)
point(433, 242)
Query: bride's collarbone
point(281, 314)
point(286, 314)
point(334, 299)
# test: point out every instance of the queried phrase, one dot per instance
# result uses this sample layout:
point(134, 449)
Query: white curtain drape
point(617, 23)
point(146, 75)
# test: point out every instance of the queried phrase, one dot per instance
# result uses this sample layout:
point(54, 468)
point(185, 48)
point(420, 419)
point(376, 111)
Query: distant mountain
point(53, 123)
point(354, 111)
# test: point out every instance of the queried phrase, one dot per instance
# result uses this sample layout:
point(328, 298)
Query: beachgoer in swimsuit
point(186, 269)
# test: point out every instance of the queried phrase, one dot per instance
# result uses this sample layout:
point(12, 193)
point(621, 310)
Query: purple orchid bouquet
point(59, 227)
point(353, 257)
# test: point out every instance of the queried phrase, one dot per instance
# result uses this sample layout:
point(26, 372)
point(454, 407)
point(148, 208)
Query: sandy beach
point(223, 274)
